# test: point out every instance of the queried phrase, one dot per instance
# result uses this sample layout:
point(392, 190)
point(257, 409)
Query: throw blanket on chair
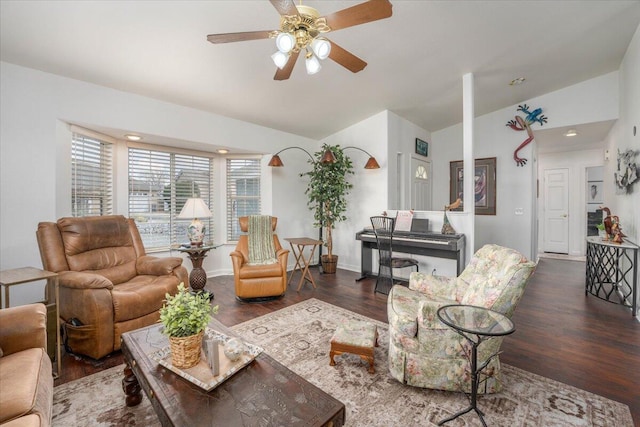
point(261, 247)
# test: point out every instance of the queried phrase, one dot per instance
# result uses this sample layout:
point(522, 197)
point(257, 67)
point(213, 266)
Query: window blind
point(160, 182)
point(243, 192)
point(91, 176)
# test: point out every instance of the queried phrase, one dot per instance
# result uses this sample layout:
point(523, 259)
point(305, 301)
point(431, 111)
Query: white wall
point(370, 195)
point(401, 140)
point(590, 101)
point(627, 207)
point(383, 135)
point(35, 162)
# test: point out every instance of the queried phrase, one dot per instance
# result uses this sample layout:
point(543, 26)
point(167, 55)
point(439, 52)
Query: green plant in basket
point(185, 314)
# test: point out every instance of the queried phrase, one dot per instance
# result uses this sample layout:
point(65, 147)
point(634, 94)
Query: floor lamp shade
point(195, 208)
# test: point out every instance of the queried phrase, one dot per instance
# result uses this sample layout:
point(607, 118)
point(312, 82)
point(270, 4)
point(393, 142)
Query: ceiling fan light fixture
point(280, 59)
point(312, 63)
point(321, 47)
point(285, 42)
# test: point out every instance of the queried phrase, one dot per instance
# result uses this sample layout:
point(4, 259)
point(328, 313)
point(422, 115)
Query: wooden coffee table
point(263, 393)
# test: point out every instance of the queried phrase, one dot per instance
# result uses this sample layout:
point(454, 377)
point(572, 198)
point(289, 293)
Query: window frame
point(176, 226)
point(232, 226)
point(92, 146)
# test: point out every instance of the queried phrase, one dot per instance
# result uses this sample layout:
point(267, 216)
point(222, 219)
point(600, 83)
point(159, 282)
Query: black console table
point(611, 272)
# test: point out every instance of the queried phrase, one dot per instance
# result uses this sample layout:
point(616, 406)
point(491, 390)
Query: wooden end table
point(18, 276)
point(298, 244)
point(262, 393)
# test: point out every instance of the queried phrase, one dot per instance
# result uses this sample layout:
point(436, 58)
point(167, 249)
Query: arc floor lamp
point(327, 158)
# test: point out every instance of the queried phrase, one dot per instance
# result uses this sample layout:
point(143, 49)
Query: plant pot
point(185, 351)
point(329, 264)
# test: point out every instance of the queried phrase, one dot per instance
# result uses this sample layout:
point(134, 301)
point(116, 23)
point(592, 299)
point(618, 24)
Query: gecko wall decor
point(525, 123)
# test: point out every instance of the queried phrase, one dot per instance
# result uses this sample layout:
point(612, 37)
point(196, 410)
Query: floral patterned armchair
point(423, 352)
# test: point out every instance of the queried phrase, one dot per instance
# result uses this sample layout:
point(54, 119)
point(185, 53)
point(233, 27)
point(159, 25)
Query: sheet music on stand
point(403, 221)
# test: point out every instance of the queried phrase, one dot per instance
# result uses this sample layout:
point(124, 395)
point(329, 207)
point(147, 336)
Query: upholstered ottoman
point(355, 337)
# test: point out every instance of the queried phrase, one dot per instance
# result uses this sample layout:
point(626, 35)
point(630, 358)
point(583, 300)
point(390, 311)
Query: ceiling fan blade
point(362, 13)
point(285, 7)
point(347, 59)
point(238, 37)
point(285, 73)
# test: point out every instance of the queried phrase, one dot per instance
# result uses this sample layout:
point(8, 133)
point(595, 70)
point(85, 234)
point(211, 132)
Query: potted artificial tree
point(327, 191)
point(185, 315)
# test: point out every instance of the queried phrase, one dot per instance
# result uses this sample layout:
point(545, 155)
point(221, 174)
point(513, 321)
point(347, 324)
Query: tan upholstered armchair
point(262, 280)
point(424, 352)
point(26, 383)
point(107, 282)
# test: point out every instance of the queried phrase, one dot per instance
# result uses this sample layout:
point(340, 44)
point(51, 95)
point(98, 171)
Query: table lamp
point(195, 208)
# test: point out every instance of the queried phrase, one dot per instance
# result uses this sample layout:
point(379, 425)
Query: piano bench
point(355, 337)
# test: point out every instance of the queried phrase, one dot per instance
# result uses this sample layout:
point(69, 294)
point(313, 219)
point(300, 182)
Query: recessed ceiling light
point(132, 137)
point(571, 132)
point(223, 151)
point(516, 82)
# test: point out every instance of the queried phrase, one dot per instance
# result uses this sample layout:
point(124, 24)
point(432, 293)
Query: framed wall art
point(422, 147)
point(594, 192)
point(484, 183)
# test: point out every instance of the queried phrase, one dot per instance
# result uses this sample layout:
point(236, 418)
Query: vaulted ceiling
point(415, 58)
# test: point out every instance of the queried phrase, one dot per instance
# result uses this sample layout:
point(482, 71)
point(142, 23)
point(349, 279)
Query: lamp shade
point(321, 47)
point(276, 162)
point(313, 65)
point(328, 157)
point(195, 208)
point(285, 42)
point(372, 163)
point(280, 59)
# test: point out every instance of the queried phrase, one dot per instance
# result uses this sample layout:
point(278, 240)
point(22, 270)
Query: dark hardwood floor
point(560, 333)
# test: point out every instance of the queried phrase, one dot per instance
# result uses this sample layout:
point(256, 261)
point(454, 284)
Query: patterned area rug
point(298, 337)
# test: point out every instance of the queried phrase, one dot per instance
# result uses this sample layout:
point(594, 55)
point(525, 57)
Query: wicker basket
point(185, 351)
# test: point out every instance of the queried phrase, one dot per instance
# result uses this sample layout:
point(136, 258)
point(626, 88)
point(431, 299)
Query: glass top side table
point(475, 324)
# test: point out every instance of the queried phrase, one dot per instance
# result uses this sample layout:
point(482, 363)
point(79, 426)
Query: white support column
point(467, 155)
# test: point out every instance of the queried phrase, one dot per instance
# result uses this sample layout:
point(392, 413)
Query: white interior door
point(420, 184)
point(556, 211)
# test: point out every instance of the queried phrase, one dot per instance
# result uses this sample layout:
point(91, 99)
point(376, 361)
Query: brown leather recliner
point(26, 383)
point(107, 282)
point(258, 281)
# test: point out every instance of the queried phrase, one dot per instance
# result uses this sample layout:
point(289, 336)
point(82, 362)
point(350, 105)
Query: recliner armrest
point(23, 327)
point(237, 259)
point(428, 313)
point(156, 266)
point(83, 280)
point(282, 252)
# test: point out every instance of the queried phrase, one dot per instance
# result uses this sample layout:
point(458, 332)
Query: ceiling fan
point(302, 29)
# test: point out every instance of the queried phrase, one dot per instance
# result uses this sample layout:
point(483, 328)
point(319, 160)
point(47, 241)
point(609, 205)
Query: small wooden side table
point(298, 244)
point(198, 277)
point(19, 276)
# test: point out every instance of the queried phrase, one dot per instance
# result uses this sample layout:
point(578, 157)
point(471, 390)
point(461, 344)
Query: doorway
point(420, 184)
point(556, 211)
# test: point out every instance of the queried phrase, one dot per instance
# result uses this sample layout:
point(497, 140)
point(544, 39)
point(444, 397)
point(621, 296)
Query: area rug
point(298, 337)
